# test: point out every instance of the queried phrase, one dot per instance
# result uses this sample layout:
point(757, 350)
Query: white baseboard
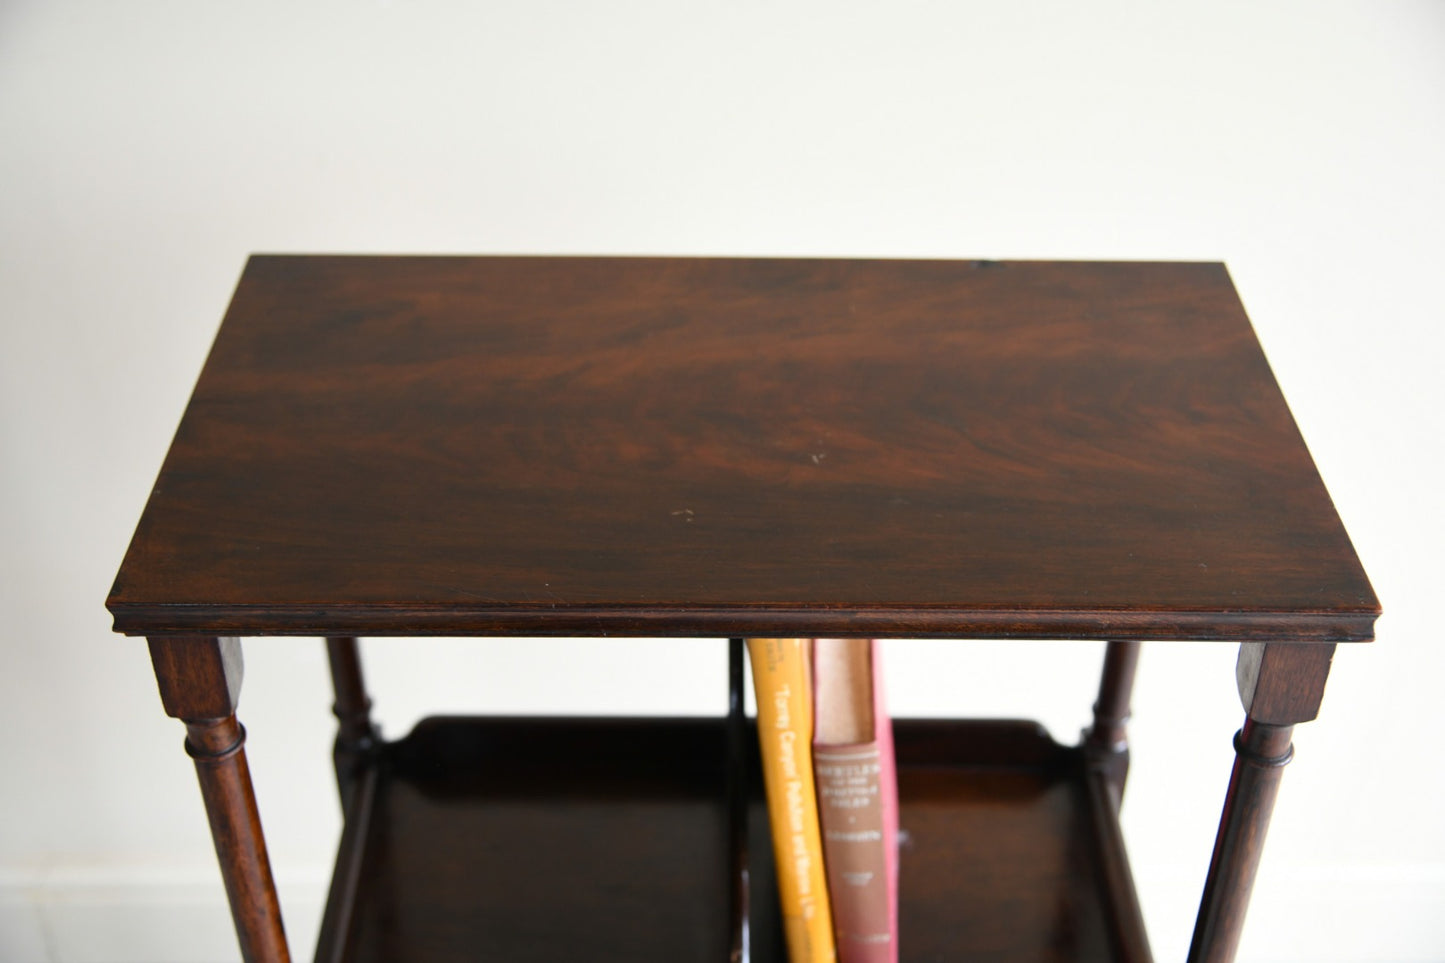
point(1380, 914)
point(1324, 914)
point(93, 916)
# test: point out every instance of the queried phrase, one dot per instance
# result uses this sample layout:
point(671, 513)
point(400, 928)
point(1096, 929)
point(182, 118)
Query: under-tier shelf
point(568, 839)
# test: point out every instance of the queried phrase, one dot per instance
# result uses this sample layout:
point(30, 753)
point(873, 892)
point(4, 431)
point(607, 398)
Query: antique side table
point(725, 448)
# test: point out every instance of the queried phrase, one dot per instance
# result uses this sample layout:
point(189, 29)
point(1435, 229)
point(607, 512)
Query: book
point(782, 682)
point(857, 786)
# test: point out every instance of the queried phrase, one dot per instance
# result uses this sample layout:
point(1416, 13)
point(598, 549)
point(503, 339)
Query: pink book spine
point(857, 785)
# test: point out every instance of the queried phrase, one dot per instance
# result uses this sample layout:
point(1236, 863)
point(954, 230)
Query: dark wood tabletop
point(715, 447)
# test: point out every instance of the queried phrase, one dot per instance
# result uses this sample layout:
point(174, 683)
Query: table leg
point(200, 681)
point(739, 911)
point(1106, 741)
point(1280, 684)
point(356, 737)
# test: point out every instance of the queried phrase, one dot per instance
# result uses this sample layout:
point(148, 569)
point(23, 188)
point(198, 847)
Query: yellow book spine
point(781, 679)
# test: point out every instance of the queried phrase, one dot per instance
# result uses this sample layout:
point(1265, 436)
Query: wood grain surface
point(723, 447)
point(480, 847)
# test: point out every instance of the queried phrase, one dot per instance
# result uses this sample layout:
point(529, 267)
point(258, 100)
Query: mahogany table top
point(714, 447)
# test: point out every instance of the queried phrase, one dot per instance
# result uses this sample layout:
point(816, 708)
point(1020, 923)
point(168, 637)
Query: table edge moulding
point(728, 448)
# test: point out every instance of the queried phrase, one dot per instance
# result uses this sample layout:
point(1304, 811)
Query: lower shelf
point(609, 839)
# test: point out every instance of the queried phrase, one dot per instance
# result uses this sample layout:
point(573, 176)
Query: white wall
point(146, 148)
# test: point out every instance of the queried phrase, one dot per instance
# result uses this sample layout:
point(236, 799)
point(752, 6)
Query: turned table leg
point(1106, 757)
point(1280, 684)
point(200, 681)
point(356, 737)
point(1106, 741)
